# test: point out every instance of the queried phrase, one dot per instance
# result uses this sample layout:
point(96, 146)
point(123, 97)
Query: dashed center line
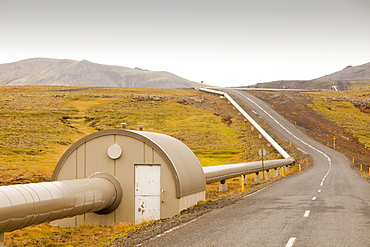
point(294, 136)
point(291, 242)
point(307, 213)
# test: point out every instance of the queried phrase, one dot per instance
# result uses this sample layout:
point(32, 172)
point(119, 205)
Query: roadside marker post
point(262, 152)
point(334, 137)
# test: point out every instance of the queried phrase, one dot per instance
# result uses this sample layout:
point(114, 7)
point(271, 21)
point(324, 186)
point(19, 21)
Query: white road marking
point(291, 242)
point(302, 150)
point(294, 136)
point(314, 198)
point(170, 230)
point(307, 213)
point(255, 192)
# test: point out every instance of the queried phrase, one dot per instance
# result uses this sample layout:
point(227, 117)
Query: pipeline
point(30, 204)
point(273, 143)
point(223, 172)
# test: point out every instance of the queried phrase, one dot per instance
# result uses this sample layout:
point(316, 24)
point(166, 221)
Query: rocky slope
point(349, 73)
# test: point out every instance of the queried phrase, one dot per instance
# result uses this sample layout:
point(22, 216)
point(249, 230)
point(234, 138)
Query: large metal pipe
point(35, 203)
point(223, 172)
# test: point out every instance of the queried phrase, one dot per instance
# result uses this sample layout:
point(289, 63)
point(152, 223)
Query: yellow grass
point(336, 107)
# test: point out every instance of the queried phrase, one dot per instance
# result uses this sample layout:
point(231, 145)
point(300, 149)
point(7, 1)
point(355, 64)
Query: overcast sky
point(220, 42)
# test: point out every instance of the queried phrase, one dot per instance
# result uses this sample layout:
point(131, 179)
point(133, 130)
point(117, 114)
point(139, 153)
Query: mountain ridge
point(349, 78)
point(67, 72)
point(349, 73)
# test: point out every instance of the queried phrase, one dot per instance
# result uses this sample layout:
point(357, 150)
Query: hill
point(46, 71)
point(349, 78)
point(349, 73)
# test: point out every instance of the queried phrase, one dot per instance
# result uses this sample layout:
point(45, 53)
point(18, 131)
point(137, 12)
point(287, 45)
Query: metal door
point(147, 193)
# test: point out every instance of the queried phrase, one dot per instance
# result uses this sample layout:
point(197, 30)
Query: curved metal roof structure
point(185, 167)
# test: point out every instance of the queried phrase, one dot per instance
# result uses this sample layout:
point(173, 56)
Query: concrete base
point(222, 187)
point(276, 173)
point(267, 174)
point(257, 178)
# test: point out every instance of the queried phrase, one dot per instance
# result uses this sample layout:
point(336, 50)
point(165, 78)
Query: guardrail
point(222, 172)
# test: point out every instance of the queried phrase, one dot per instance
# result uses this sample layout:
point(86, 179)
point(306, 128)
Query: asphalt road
point(328, 205)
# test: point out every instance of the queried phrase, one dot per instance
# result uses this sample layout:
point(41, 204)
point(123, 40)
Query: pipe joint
point(117, 187)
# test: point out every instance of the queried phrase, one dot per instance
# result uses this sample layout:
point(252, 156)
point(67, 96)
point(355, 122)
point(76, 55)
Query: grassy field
point(340, 108)
point(39, 123)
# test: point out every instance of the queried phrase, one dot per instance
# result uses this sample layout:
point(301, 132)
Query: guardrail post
point(242, 182)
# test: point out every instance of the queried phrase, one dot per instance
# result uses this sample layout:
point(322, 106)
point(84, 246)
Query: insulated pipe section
point(273, 143)
point(223, 172)
point(35, 203)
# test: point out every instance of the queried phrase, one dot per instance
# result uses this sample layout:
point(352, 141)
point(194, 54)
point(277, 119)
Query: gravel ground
point(155, 228)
